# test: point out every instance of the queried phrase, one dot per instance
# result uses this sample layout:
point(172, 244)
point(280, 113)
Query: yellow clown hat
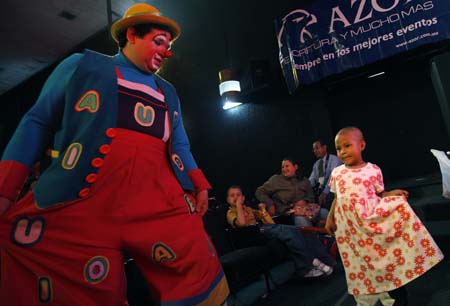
point(144, 13)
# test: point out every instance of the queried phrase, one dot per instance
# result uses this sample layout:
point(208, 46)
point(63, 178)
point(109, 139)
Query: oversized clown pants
point(72, 253)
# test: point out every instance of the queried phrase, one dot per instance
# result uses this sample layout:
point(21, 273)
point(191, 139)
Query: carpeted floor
point(432, 289)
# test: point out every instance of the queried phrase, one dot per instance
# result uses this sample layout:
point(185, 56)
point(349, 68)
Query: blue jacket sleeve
point(181, 145)
point(180, 141)
point(36, 129)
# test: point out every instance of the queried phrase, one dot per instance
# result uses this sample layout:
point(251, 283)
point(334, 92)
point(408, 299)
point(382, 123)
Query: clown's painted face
point(150, 51)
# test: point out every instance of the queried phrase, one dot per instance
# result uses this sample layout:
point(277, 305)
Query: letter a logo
point(90, 101)
point(161, 252)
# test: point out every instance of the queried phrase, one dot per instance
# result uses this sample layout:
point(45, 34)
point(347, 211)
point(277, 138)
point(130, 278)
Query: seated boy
point(303, 250)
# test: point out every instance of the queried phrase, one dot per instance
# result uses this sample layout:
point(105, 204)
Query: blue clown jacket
point(54, 122)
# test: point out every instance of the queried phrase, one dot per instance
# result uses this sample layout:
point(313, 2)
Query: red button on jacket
point(97, 162)
point(105, 149)
point(111, 132)
point(92, 177)
point(84, 192)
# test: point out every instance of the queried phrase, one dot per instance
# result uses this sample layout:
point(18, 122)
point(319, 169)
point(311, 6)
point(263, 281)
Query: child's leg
point(302, 221)
point(372, 299)
point(323, 214)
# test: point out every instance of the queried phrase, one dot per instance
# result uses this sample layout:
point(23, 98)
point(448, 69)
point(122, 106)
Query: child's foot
point(314, 272)
point(322, 267)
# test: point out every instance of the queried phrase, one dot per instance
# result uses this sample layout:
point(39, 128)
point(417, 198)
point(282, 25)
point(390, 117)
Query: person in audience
point(122, 179)
point(290, 189)
point(382, 242)
point(303, 249)
point(321, 172)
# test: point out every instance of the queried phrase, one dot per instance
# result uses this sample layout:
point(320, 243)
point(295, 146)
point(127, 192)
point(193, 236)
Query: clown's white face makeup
point(150, 51)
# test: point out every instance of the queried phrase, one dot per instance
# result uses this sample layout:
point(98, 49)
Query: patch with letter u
point(90, 101)
point(177, 161)
point(144, 114)
point(26, 232)
point(161, 252)
point(190, 203)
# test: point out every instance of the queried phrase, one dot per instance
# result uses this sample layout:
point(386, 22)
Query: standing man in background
point(321, 173)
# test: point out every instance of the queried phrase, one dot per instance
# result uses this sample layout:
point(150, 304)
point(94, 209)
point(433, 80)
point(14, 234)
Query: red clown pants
point(72, 254)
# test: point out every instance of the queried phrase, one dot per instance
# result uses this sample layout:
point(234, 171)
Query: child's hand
point(240, 200)
point(271, 210)
point(330, 226)
point(396, 192)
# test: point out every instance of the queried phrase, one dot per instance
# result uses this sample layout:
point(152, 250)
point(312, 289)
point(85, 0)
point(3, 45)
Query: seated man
point(303, 249)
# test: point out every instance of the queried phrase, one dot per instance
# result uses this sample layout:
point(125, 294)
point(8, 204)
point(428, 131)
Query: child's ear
point(363, 145)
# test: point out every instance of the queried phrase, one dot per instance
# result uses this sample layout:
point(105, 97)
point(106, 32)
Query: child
point(303, 249)
point(383, 245)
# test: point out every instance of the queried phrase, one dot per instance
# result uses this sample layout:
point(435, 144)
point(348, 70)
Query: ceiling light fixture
point(228, 105)
point(229, 88)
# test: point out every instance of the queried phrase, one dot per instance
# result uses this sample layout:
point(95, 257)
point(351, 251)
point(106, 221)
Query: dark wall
point(245, 145)
point(399, 115)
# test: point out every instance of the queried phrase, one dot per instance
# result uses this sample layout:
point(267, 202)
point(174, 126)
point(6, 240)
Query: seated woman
point(304, 250)
point(288, 190)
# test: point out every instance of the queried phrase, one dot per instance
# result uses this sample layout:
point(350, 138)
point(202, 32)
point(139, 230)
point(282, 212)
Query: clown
point(121, 179)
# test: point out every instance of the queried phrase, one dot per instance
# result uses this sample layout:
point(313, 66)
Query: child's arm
point(395, 192)
point(330, 226)
point(240, 219)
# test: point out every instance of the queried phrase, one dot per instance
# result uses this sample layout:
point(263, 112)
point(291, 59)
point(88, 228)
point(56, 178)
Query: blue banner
point(333, 36)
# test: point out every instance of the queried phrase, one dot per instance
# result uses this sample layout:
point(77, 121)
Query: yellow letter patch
point(161, 252)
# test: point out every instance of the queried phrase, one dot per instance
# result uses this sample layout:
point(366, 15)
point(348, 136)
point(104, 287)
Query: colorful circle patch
point(96, 269)
point(177, 160)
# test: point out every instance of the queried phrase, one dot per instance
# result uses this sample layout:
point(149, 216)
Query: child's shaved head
point(351, 130)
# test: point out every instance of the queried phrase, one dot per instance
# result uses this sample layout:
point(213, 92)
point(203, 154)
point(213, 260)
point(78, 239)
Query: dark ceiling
point(215, 34)
point(38, 33)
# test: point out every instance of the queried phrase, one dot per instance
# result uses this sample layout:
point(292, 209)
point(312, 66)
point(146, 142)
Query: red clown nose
point(168, 54)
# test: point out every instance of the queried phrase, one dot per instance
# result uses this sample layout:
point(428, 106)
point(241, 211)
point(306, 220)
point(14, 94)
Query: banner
point(333, 36)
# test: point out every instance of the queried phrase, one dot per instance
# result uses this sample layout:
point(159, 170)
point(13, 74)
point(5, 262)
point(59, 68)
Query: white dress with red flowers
point(383, 244)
